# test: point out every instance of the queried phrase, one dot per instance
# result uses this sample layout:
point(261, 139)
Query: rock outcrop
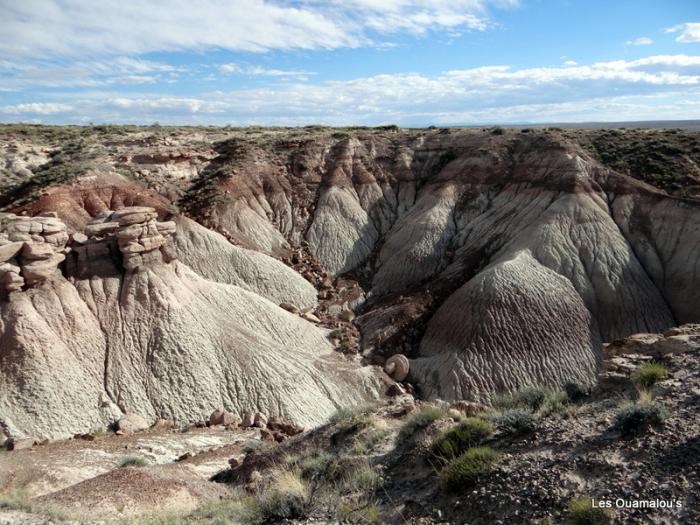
point(31, 248)
point(491, 261)
point(130, 329)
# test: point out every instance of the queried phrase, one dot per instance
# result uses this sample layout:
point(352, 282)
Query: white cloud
point(641, 41)
point(50, 28)
point(36, 108)
point(661, 86)
point(689, 32)
point(22, 74)
point(230, 68)
point(570, 63)
point(257, 71)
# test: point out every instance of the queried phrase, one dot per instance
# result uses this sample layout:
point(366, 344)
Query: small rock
point(310, 317)
point(395, 390)
point(346, 315)
point(468, 408)
point(186, 455)
point(80, 238)
point(290, 307)
point(163, 424)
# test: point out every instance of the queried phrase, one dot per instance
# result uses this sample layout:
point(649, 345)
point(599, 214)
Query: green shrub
point(455, 441)
point(133, 461)
point(515, 422)
point(555, 402)
point(311, 464)
point(531, 397)
point(648, 374)
point(581, 512)
point(368, 440)
point(467, 468)
point(419, 421)
point(633, 418)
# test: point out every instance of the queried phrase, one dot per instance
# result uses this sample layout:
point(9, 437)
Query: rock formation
point(488, 262)
point(128, 329)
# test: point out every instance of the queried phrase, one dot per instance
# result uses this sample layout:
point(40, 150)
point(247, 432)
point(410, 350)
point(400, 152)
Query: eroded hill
point(493, 260)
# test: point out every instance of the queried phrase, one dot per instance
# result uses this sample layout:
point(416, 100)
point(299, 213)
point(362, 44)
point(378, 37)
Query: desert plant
point(633, 418)
point(575, 391)
point(419, 421)
point(311, 465)
point(15, 500)
point(350, 511)
point(648, 374)
point(582, 512)
point(345, 414)
point(515, 422)
point(285, 498)
point(133, 461)
point(467, 433)
point(555, 402)
point(349, 423)
point(531, 397)
point(368, 440)
point(362, 478)
point(467, 468)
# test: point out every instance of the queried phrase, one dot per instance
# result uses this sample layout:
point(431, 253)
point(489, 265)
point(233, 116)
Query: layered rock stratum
point(490, 260)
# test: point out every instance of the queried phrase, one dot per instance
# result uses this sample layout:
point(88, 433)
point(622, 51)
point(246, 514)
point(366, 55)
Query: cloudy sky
point(341, 62)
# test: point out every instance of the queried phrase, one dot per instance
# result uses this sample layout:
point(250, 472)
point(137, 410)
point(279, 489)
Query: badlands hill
point(166, 272)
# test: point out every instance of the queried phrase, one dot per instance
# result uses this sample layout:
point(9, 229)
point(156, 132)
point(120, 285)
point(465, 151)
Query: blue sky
point(409, 62)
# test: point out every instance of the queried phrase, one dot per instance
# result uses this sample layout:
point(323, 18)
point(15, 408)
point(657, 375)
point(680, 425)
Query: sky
point(344, 62)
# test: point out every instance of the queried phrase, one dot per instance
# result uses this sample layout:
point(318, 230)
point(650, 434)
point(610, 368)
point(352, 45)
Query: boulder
point(130, 423)
point(21, 443)
point(260, 420)
point(216, 417)
point(37, 251)
point(221, 417)
point(163, 424)
point(248, 420)
point(38, 271)
point(397, 367)
point(10, 250)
